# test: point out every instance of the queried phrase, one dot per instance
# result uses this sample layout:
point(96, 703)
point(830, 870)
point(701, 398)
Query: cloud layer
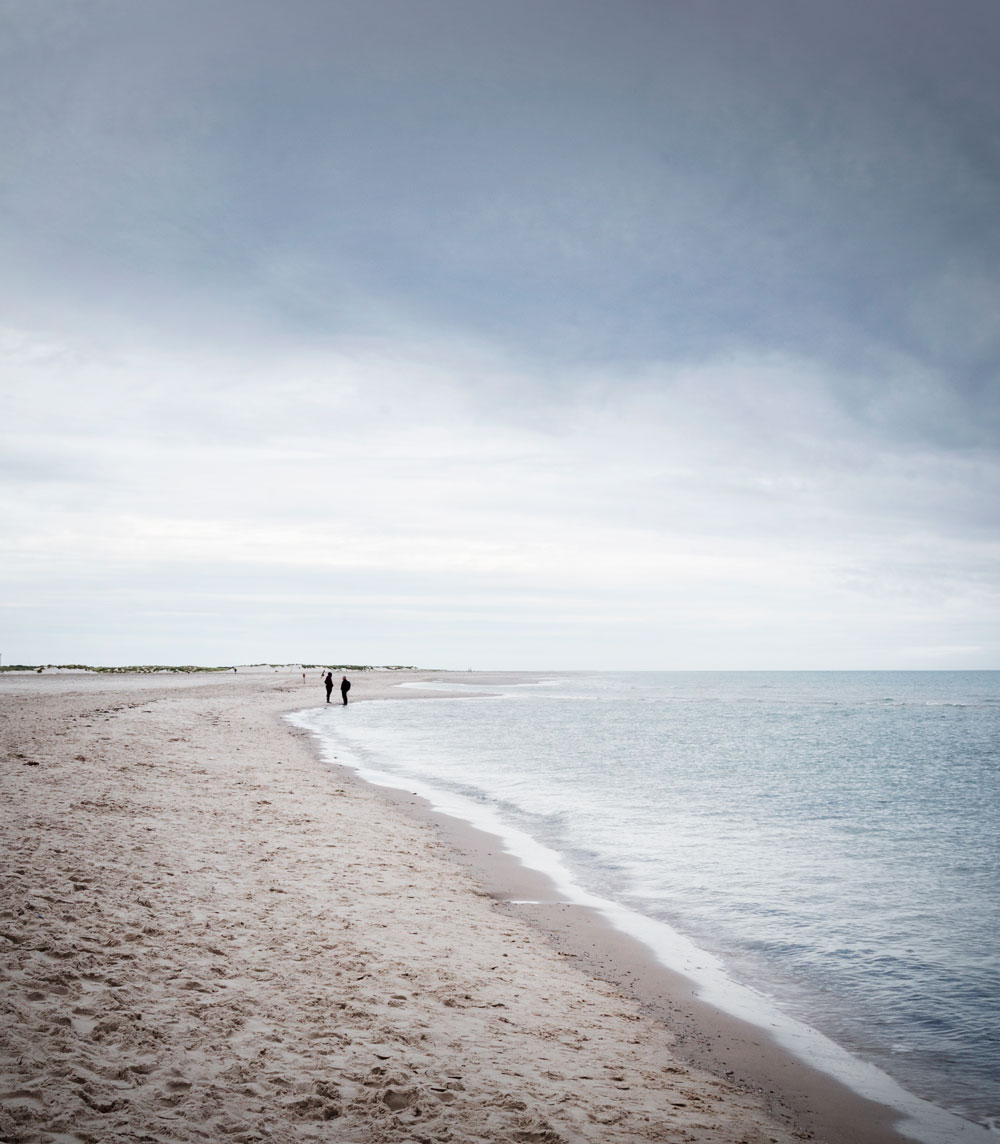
point(525, 335)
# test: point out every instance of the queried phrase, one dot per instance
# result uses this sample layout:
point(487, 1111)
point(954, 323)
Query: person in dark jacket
point(328, 684)
point(345, 686)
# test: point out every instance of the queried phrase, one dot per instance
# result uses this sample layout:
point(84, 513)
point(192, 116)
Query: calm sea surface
point(832, 838)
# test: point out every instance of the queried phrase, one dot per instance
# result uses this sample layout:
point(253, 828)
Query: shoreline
point(712, 1033)
point(208, 925)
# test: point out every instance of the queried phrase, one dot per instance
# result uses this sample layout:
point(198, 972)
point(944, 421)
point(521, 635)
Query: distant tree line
point(151, 668)
point(147, 668)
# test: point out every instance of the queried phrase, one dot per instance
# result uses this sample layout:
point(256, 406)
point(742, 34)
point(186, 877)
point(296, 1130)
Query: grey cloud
point(653, 181)
point(764, 234)
point(48, 465)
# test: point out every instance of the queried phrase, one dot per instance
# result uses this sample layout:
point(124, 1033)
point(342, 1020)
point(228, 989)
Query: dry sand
point(208, 934)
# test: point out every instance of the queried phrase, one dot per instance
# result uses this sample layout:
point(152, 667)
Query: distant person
point(328, 684)
point(345, 686)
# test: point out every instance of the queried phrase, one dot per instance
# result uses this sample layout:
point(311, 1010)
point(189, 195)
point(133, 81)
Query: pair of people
point(345, 686)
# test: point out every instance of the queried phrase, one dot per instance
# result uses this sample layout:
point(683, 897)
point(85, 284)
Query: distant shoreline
point(204, 924)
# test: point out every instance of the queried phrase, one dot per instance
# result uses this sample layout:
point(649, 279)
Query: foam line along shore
point(570, 774)
point(206, 930)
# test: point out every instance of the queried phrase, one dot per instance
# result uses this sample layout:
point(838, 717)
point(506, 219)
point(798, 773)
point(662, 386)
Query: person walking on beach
point(345, 686)
point(328, 684)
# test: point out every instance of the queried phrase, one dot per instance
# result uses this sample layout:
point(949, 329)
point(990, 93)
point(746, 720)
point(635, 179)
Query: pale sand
point(208, 934)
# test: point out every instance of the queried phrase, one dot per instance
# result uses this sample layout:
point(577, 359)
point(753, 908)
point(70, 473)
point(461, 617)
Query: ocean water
point(830, 840)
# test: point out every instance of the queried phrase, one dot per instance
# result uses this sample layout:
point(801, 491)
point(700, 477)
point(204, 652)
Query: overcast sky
point(500, 333)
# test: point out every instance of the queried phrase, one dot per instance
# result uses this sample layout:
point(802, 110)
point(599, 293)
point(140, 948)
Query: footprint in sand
point(400, 1099)
point(314, 1107)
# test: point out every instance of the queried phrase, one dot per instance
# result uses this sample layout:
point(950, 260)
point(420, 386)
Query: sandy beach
point(207, 933)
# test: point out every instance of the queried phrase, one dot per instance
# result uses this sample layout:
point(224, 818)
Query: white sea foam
point(775, 818)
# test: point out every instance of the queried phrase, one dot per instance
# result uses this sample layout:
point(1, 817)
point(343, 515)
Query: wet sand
point(207, 933)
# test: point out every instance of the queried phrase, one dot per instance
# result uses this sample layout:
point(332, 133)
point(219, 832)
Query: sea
point(819, 851)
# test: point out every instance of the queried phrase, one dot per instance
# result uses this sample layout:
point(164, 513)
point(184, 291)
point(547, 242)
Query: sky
point(525, 334)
